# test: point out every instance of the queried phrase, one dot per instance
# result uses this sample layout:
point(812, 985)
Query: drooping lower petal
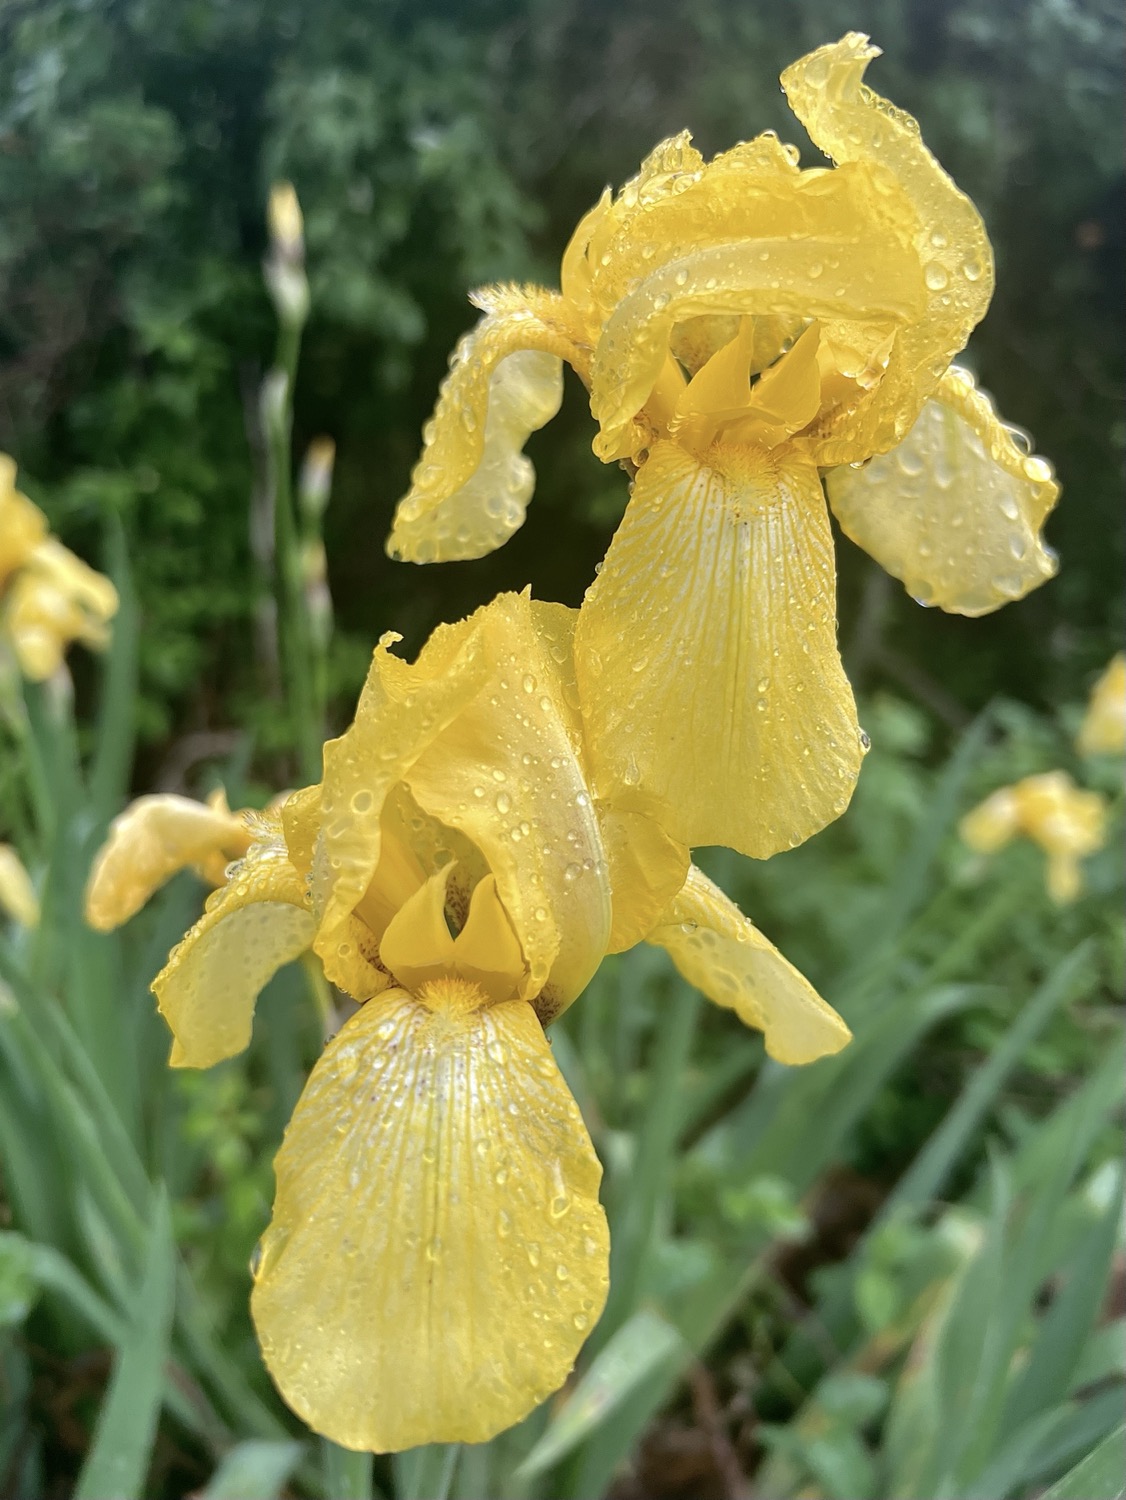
point(148, 843)
point(955, 510)
point(250, 927)
point(722, 953)
point(437, 1254)
point(706, 652)
point(471, 485)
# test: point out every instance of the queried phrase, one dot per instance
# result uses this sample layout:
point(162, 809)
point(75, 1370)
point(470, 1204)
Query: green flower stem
point(298, 672)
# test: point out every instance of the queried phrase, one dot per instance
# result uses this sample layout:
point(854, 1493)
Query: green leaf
point(1099, 1476)
point(635, 1352)
point(119, 1457)
point(256, 1471)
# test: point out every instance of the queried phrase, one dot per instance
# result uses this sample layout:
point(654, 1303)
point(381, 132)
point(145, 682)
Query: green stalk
point(293, 625)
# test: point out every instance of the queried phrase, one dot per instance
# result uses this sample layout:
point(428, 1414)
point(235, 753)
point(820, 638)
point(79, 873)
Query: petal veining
point(956, 509)
point(471, 485)
point(250, 927)
point(437, 1253)
point(148, 843)
point(707, 657)
point(722, 953)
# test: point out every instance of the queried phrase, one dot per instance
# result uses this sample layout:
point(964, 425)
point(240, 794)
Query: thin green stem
point(293, 625)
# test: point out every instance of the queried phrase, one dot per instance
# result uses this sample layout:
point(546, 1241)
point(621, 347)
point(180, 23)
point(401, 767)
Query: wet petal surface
point(722, 953)
point(437, 1254)
point(955, 510)
point(707, 657)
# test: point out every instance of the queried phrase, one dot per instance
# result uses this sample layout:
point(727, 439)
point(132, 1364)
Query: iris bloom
point(1103, 731)
point(746, 330)
point(1053, 812)
point(152, 840)
point(437, 1253)
point(17, 894)
point(48, 597)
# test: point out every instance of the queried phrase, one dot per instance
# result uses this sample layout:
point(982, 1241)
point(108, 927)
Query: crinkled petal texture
point(853, 125)
point(484, 732)
point(871, 279)
point(437, 1254)
point(471, 485)
point(955, 510)
point(723, 954)
point(509, 774)
point(250, 927)
point(706, 652)
point(148, 843)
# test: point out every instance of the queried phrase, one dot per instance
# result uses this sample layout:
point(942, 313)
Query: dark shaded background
point(436, 146)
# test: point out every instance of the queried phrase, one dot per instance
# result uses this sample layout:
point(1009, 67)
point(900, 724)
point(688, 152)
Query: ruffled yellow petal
point(647, 868)
point(707, 657)
point(872, 280)
point(1063, 878)
point(22, 525)
point(53, 600)
point(471, 485)
point(723, 954)
point(17, 894)
point(148, 843)
point(992, 824)
point(1060, 816)
point(509, 774)
point(955, 510)
point(250, 927)
point(1103, 731)
point(437, 1254)
point(853, 125)
point(402, 709)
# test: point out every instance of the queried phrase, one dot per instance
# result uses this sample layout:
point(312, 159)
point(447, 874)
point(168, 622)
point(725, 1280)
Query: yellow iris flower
point(437, 1253)
point(17, 893)
point(152, 840)
point(1066, 821)
point(747, 329)
point(48, 597)
point(1103, 731)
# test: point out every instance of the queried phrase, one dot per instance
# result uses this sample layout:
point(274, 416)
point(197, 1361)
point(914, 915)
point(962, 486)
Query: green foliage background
point(436, 146)
point(892, 1273)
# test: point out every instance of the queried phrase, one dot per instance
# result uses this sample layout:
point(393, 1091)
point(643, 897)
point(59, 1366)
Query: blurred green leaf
point(119, 1457)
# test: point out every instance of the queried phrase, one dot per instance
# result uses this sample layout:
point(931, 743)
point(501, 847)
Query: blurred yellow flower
point(48, 597)
point(17, 894)
point(437, 1253)
point(1103, 731)
point(152, 840)
point(1053, 812)
point(744, 326)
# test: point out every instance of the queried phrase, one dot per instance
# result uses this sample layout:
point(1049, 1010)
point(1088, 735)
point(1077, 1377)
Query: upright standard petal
point(723, 954)
point(437, 1254)
point(404, 706)
point(851, 124)
point(471, 485)
point(707, 657)
point(22, 524)
point(955, 510)
point(509, 774)
point(874, 279)
point(148, 843)
point(250, 927)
